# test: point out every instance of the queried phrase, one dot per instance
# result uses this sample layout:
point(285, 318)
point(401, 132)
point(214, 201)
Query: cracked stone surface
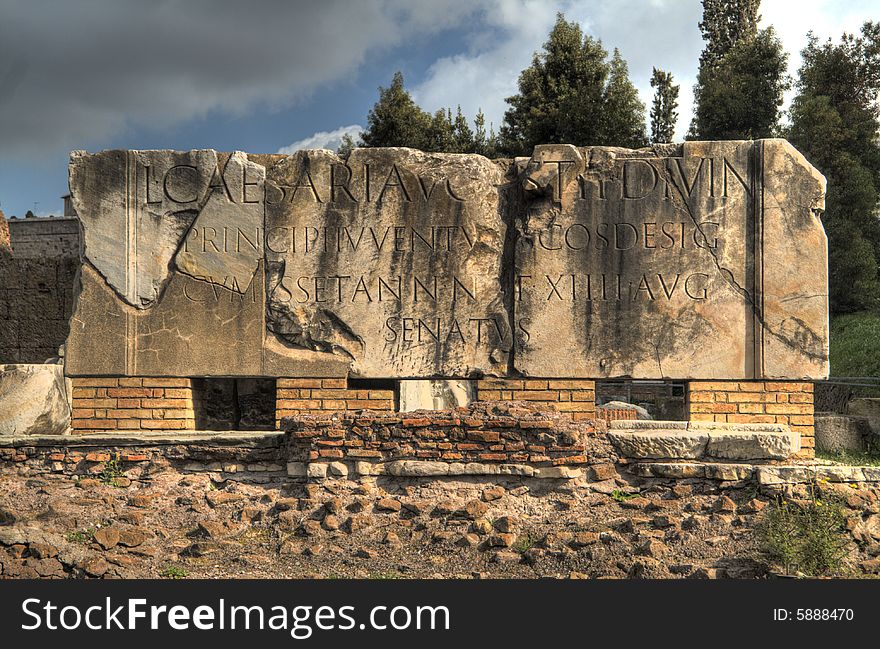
point(702, 260)
point(394, 261)
point(33, 399)
point(695, 261)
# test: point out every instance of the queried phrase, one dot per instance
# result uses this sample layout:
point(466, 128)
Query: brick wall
point(482, 433)
point(575, 397)
point(308, 396)
point(147, 404)
point(744, 402)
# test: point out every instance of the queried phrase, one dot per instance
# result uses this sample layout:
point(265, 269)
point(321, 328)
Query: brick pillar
point(146, 404)
point(575, 397)
point(745, 402)
point(312, 396)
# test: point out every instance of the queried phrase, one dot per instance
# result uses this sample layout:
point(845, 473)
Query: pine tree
point(742, 78)
point(664, 111)
point(560, 95)
point(572, 94)
point(834, 123)
point(396, 120)
point(724, 24)
point(623, 113)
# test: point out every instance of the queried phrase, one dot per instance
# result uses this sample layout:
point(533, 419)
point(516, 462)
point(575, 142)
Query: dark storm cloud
point(74, 72)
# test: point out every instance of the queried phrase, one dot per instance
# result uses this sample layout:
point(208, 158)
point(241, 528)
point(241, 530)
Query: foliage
point(396, 120)
point(834, 122)
point(173, 572)
point(622, 496)
point(852, 458)
point(806, 536)
point(741, 96)
point(80, 536)
point(111, 470)
point(724, 24)
point(664, 110)
point(623, 113)
point(855, 344)
point(572, 94)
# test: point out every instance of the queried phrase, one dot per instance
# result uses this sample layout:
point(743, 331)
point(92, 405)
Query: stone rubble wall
point(483, 438)
point(41, 237)
point(36, 303)
point(756, 402)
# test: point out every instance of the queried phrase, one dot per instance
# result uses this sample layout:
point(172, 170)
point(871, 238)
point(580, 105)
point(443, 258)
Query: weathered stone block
point(842, 432)
point(33, 400)
point(672, 262)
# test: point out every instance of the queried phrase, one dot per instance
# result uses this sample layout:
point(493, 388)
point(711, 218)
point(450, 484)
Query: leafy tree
point(724, 24)
point(347, 145)
point(561, 94)
point(396, 120)
point(664, 110)
point(834, 122)
point(742, 78)
point(623, 113)
point(741, 98)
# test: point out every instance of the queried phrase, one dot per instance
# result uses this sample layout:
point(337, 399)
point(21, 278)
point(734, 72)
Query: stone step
point(703, 441)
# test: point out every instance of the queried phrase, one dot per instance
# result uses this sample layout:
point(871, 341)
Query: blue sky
point(267, 76)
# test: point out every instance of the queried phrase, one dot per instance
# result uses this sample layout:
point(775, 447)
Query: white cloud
point(661, 33)
point(324, 139)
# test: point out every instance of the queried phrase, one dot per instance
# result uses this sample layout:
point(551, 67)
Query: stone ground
point(175, 524)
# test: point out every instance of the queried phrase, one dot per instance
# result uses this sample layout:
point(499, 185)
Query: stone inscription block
point(393, 259)
point(705, 260)
point(671, 263)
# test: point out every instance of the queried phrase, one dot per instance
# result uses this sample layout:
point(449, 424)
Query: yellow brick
point(572, 384)
point(753, 408)
point(93, 424)
point(575, 406)
point(83, 393)
point(750, 419)
point(535, 395)
point(130, 382)
point(163, 382)
point(334, 383)
point(702, 397)
point(94, 382)
point(499, 384)
point(535, 384)
point(489, 395)
point(773, 386)
point(298, 383)
point(298, 404)
point(790, 409)
point(801, 397)
point(713, 386)
point(702, 416)
point(94, 403)
point(165, 424)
